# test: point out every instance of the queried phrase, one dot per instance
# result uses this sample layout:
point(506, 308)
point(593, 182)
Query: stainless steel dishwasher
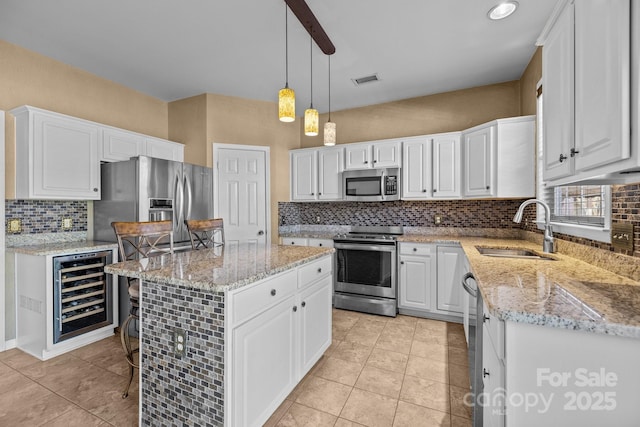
point(475, 344)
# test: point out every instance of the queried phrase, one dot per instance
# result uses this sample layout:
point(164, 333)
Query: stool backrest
point(205, 233)
point(143, 239)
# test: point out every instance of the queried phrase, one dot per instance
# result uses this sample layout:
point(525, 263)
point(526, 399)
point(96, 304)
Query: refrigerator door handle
point(187, 186)
point(177, 205)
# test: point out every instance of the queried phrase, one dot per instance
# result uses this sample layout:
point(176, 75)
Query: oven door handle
point(365, 247)
point(465, 285)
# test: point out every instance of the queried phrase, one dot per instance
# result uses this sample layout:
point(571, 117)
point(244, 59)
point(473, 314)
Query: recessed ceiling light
point(502, 10)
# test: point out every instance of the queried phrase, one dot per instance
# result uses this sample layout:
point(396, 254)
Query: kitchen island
point(253, 319)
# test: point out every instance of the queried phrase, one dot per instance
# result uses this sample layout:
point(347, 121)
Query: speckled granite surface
point(219, 269)
point(59, 248)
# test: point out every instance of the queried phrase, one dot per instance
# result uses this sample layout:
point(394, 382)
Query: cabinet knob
point(273, 292)
point(293, 243)
point(295, 308)
point(319, 244)
point(485, 373)
point(424, 191)
point(304, 304)
point(434, 190)
point(562, 158)
point(574, 152)
point(401, 262)
point(95, 189)
point(487, 187)
point(366, 161)
point(313, 194)
point(415, 249)
point(375, 161)
point(319, 194)
point(320, 270)
point(485, 318)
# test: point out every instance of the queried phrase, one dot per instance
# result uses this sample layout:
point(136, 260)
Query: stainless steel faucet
point(548, 245)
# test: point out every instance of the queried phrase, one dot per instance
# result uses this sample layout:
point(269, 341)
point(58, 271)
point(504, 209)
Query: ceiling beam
point(311, 24)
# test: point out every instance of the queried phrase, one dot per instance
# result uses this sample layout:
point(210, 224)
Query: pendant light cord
point(311, 55)
point(329, 87)
point(286, 45)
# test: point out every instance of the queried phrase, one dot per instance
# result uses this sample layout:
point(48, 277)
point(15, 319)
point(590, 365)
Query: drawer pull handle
point(273, 292)
point(295, 308)
point(485, 373)
point(485, 318)
point(320, 270)
point(319, 244)
point(304, 304)
point(415, 249)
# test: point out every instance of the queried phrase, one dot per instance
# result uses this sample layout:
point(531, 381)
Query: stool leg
point(126, 346)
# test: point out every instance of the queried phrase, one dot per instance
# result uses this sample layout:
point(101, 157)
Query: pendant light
point(329, 126)
point(311, 114)
point(286, 96)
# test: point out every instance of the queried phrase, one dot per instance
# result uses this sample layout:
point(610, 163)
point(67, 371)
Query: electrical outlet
point(67, 223)
point(179, 342)
point(317, 220)
point(14, 225)
point(437, 220)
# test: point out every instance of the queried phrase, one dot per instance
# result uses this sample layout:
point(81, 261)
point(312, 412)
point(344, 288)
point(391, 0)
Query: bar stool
point(203, 232)
point(138, 240)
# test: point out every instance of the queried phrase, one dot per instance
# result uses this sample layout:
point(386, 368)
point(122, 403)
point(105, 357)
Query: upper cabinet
point(380, 154)
point(316, 174)
point(446, 165)
point(586, 90)
point(56, 156)
point(499, 159)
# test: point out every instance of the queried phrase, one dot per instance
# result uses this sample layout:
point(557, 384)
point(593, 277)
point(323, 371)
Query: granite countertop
point(564, 292)
point(309, 235)
point(220, 269)
point(62, 248)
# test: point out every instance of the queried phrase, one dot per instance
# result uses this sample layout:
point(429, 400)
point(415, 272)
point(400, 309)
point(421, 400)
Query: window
point(577, 210)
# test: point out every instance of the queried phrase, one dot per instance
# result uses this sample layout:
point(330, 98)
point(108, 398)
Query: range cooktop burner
point(371, 234)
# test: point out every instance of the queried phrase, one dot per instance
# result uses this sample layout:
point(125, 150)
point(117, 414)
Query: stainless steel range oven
point(365, 278)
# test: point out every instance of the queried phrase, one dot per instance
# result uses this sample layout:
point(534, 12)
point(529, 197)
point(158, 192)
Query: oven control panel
point(390, 185)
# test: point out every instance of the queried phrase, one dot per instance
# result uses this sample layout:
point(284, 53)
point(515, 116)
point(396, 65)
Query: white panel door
point(330, 166)
point(602, 82)
point(478, 162)
point(416, 169)
point(446, 166)
point(558, 96)
point(449, 290)
point(241, 194)
point(303, 175)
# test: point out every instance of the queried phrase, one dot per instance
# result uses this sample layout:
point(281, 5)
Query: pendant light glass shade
point(287, 105)
point(311, 121)
point(329, 133)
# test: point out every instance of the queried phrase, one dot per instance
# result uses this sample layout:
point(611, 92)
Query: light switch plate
point(622, 235)
point(67, 223)
point(14, 225)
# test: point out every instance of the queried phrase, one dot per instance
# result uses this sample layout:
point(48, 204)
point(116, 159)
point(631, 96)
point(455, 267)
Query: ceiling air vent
point(366, 79)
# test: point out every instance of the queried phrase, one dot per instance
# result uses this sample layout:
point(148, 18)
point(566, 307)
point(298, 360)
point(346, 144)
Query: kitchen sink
point(512, 253)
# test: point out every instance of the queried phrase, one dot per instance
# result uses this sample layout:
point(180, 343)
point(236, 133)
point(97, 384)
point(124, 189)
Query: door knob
point(260, 233)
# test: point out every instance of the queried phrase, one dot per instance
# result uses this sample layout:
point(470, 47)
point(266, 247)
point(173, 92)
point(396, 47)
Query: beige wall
point(30, 78)
point(444, 112)
point(528, 82)
point(188, 125)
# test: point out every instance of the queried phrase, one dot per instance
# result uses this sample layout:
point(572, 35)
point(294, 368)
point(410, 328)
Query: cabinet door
point(601, 82)
point(449, 290)
point(163, 149)
point(303, 175)
point(315, 322)
point(478, 161)
point(329, 179)
point(386, 154)
point(558, 96)
point(357, 156)
point(65, 159)
point(118, 145)
point(416, 281)
point(321, 243)
point(416, 169)
point(494, 385)
point(263, 361)
point(446, 166)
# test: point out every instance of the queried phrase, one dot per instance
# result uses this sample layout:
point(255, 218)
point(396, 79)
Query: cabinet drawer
point(311, 272)
point(250, 302)
point(323, 243)
point(415, 249)
point(297, 241)
point(494, 329)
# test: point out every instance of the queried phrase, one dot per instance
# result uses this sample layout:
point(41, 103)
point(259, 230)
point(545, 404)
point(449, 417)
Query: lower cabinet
point(287, 331)
point(429, 278)
point(303, 241)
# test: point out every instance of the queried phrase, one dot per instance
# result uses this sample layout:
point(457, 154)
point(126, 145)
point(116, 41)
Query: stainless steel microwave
point(372, 185)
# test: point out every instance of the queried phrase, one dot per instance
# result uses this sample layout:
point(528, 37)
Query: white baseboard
point(9, 344)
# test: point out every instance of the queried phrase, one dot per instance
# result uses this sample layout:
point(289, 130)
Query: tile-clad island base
point(231, 302)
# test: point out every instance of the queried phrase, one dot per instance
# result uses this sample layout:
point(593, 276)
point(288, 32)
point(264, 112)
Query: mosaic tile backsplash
point(45, 216)
point(167, 379)
point(453, 213)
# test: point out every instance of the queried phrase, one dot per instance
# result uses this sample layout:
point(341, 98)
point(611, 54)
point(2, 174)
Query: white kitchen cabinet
point(493, 372)
point(276, 342)
point(586, 91)
point(416, 278)
point(450, 270)
point(295, 241)
point(118, 145)
point(304, 175)
point(499, 159)
point(316, 174)
point(416, 168)
point(163, 149)
point(446, 165)
point(378, 154)
point(56, 156)
point(330, 164)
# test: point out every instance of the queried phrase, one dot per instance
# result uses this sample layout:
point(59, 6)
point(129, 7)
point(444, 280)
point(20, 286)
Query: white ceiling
point(175, 49)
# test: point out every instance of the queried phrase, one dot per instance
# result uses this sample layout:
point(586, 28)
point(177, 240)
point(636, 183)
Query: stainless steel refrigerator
point(148, 189)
